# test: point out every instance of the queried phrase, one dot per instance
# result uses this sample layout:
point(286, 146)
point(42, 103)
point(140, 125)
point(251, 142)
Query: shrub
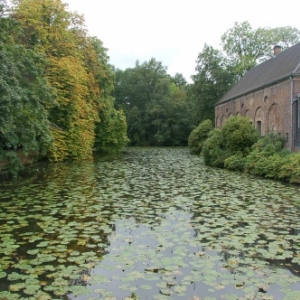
point(239, 136)
point(213, 149)
point(269, 144)
point(199, 135)
point(267, 156)
point(290, 169)
point(230, 145)
point(235, 162)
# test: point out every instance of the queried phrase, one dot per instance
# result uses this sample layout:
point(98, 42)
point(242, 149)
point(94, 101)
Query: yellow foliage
point(77, 69)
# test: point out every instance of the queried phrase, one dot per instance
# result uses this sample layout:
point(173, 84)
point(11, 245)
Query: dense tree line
point(155, 104)
point(55, 85)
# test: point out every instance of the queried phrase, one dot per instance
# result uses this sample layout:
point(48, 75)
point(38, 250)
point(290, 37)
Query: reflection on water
point(153, 223)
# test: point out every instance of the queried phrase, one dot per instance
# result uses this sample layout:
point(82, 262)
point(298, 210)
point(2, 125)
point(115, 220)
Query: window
point(258, 127)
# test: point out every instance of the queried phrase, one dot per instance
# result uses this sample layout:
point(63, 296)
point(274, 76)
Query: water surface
point(153, 223)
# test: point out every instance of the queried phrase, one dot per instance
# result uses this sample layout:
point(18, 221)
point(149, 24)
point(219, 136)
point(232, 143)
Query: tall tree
point(53, 31)
point(246, 47)
point(77, 68)
point(243, 48)
point(24, 95)
point(214, 77)
point(111, 130)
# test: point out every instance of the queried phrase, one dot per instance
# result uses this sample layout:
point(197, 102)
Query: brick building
point(269, 95)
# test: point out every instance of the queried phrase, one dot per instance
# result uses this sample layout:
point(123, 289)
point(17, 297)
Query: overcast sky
point(175, 31)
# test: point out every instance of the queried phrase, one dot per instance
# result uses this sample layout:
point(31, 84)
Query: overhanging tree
point(24, 96)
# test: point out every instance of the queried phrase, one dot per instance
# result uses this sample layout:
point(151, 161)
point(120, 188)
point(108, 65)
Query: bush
point(213, 149)
point(237, 146)
point(239, 136)
point(290, 169)
point(235, 162)
point(230, 145)
point(267, 156)
point(199, 135)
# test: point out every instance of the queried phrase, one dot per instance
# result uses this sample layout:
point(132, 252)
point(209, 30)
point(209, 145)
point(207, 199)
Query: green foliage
point(290, 168)
point(199, 135)
point(55, 82)
point(213, 150)
point(235, 162)
point(267, 157)
point(111, 131)
point(24, 96)
point(155, 104)
point(230, 145)
point(212, 81)
point(239, 135)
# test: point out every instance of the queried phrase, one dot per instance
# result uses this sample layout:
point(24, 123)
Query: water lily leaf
point(145, 287)
point(16, 287)
point(292, 295)
point(180, 288)
point(79, 290)
point(161, 297)
point(43, 244)
point(16, 276)
point(33, 252)
point(31, 289)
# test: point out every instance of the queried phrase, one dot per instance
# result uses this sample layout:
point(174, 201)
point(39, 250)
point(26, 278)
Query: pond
point(153, 223)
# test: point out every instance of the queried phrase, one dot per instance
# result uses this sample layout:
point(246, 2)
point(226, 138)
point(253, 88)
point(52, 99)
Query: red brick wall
point(271, 106)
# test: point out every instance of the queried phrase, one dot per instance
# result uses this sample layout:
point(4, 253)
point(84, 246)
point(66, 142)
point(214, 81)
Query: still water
point(152, 223)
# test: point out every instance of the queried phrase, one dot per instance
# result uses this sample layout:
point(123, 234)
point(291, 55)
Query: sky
point(175, 31)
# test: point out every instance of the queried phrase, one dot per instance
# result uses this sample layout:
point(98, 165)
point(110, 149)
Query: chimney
point(277, 49)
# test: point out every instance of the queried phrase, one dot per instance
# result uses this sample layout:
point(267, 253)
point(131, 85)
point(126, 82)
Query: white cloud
point(174, 31)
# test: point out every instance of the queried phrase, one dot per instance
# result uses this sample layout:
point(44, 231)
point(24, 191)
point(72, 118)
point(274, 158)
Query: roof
point(276, 69)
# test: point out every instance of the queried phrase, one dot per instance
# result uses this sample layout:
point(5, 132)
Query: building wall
point(268, 109)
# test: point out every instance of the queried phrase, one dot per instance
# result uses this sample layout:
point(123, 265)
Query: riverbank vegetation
point(55, 86)
point(238, 146)
point(60, 98)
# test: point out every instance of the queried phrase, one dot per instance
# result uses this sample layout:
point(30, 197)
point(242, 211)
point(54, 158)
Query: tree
point(76, 67)
point(179, 80)
point(24, 96)
point(155, 104)
point(111, 132)
point(214, 78)
point(243, 48)
point(246, 47)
